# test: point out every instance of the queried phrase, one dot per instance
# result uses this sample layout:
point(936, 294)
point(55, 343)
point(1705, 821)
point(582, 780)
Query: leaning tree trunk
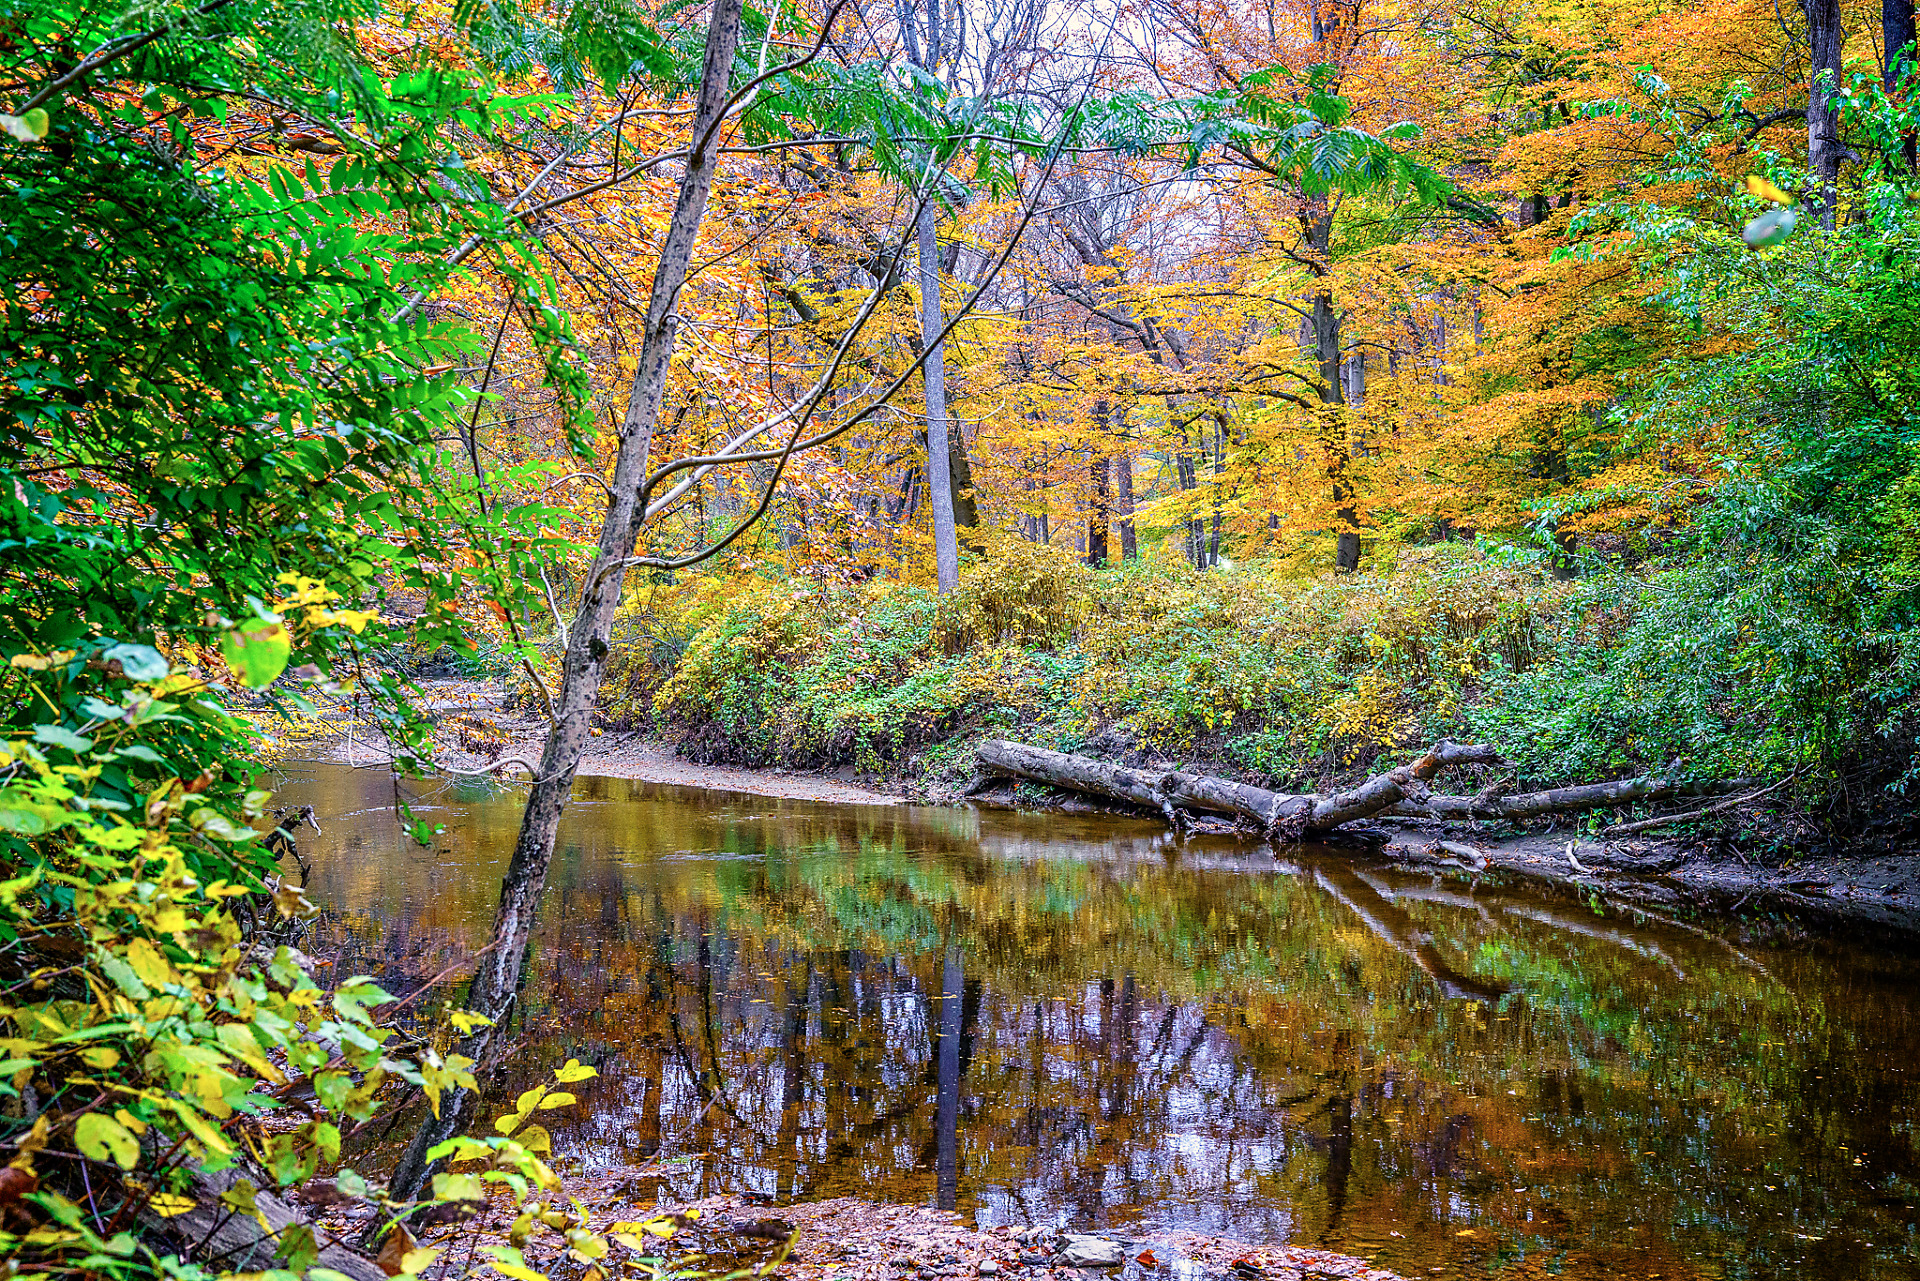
point(496, 977)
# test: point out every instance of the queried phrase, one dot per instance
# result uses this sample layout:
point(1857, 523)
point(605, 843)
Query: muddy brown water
point(1084, 1021)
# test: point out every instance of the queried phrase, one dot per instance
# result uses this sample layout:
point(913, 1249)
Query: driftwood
point(1398, 793)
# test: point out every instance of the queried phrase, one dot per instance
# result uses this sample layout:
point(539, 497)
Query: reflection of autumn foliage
point(783, 999)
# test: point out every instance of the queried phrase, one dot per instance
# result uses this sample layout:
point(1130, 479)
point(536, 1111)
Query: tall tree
point(1897, 41)
point(1825, 151)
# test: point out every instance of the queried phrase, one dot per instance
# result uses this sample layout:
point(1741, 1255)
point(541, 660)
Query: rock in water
point(1090, 1252)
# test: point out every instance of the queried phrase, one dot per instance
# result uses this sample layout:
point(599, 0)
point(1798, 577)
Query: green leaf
point(353, 997)
point(56, 736)
point(25, 814)
point(29, 127)
point(137, 662)
point(458, 1187)
point(103, 1138)
point(257, 652)
point(1770, 228)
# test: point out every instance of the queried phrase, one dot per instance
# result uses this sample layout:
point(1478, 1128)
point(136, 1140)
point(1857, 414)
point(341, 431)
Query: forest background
point(1274, 385)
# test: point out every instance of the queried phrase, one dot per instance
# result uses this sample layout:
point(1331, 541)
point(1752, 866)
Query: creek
point(1084, 1020)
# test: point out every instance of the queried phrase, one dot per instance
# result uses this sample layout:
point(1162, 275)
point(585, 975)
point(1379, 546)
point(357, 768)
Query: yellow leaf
point(1758, 186)
point(152, 967)
point(416, 1261)
point(573, 1071)
point(509, 1262)
point(558, 1099)
point(292, 900)
point(170, 1205)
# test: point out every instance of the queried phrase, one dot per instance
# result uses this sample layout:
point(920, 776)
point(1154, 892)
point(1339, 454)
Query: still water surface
point(1037, 1018)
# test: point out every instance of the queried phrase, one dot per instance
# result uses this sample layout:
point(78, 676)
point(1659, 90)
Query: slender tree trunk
point(1897, 34)
point(1183, 468)
point(1219, 472)
point(1824, 152)
point(1100, 513)
point(496, 978)
point(1102, 506)
point(946, 546)
point(1123, 504)
point(1317, 222)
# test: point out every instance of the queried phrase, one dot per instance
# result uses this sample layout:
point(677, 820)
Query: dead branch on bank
point(1399, 793)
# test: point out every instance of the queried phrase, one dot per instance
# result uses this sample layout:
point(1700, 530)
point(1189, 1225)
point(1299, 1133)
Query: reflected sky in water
point(1082, 1020)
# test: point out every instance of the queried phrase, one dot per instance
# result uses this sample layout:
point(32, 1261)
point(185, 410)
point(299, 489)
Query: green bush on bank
point(1743, 668)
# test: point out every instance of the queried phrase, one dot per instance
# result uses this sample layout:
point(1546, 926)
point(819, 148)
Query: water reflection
point(1053, 1019)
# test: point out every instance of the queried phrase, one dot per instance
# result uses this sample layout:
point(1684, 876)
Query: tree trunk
point(1318, 224)
point(1219, 472)
point(496, 978)
point(1277, 813)
point(946, 546)
point(1897, 35)
point(1101, 510)
point(966, 512)
point(1123, 503)
point(1824, 152)
point(1400, 792)
point(1183, 468)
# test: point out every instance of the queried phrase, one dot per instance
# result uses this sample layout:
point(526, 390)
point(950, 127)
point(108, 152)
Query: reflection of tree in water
point(801, 1002)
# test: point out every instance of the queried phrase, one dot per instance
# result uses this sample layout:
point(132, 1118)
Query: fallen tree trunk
point(1565, 800)
point(1399, 793)
point(1283, 814)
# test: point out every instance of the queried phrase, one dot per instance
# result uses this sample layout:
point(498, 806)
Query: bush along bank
point(1706, 673)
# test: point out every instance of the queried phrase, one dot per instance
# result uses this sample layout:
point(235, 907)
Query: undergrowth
point(1290, 682)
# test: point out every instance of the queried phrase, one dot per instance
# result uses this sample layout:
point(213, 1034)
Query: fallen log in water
point(1401, 792)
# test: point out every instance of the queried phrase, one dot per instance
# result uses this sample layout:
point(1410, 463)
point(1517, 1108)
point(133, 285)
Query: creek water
point(1085, 1021)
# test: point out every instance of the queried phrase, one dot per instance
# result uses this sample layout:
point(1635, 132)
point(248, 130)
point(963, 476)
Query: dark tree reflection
point(1079, 1021)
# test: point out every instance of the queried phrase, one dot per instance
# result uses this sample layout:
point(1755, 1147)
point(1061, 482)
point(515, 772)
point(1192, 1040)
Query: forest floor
point(1694, 874)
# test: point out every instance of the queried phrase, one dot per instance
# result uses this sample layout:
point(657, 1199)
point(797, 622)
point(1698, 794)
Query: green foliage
point(1287, 680)
point(214, 383)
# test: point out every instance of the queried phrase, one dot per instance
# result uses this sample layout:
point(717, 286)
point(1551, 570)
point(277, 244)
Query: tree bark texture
point(1897, 37)
point(1402, 792)
point(496, 977)
point(946, 545)
point(1123, 504)
point(1824, 151)
point(1317, 224)
point(1099, 513)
